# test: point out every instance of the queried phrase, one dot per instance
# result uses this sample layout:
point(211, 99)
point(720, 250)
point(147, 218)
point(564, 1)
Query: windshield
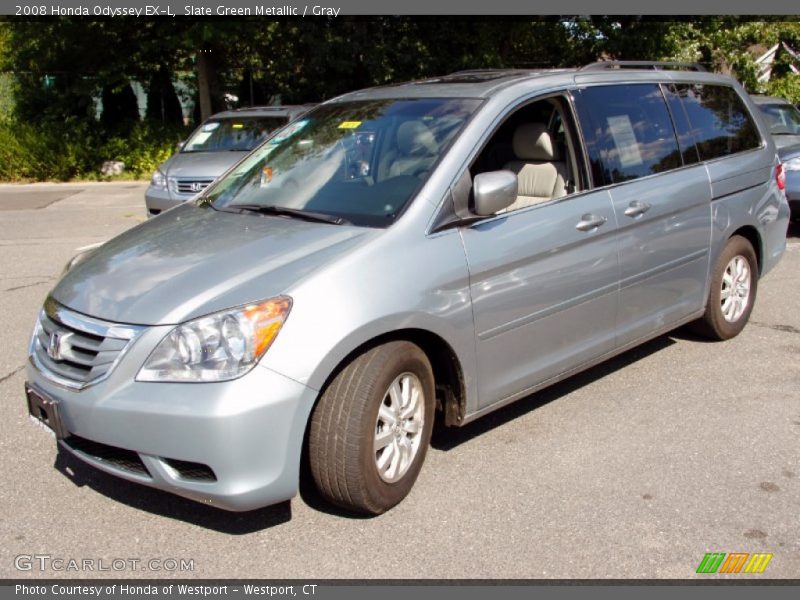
point(782, 119)
point(361, 161)
point(241, 134)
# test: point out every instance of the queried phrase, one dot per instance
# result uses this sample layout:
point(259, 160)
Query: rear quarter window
point(720, 123)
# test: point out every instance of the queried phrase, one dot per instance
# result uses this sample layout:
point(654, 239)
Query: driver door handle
point(636, 209)
point(590, 222)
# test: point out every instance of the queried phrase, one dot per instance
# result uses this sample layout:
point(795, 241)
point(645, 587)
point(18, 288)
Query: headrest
point(414, 138)
point(532, 141)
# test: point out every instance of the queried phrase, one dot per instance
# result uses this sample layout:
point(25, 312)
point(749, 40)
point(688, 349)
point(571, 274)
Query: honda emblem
point(54, 347)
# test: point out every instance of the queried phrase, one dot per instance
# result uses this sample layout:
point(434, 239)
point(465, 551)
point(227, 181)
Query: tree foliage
point(306, 60)
point(53, 71)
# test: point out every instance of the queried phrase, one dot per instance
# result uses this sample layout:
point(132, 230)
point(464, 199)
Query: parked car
point(404, 254)
point(783, 119)
point(214, 147)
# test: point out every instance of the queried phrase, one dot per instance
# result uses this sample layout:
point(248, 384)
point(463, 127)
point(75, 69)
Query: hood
point(201, 164)
point(192, 261)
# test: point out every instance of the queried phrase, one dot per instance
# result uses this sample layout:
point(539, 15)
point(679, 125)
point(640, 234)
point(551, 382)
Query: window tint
point(682, 126)
point(628, 132)
point(720, 123)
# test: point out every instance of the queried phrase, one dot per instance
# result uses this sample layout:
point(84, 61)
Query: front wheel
point(371, 428)
point(733, 291)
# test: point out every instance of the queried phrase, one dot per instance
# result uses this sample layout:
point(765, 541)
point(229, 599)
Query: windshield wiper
point(270, 209)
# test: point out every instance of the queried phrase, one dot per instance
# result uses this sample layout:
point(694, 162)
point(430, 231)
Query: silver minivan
point(215, 146)
point(403, 255)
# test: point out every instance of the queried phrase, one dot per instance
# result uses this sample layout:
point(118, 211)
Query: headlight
point(217, 347)
point(159, 180)
point(793, 164)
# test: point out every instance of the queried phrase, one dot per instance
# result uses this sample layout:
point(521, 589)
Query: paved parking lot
point(635, 468)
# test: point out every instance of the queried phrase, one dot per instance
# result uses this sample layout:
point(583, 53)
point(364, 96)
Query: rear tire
point(733, 291)
point(371, 428)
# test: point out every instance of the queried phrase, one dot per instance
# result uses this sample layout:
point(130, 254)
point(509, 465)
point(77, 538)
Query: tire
point(349, 465)
point(737, 262)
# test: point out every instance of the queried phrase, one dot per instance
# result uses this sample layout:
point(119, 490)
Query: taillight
point(780, 177)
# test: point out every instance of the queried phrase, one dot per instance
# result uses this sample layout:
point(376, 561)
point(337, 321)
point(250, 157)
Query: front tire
point(733, 291)
point(371, 428)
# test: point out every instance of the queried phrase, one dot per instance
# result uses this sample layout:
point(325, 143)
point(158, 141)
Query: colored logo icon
point(735, 562)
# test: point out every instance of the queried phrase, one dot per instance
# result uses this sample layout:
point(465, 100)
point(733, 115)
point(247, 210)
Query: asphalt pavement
point(633, 469)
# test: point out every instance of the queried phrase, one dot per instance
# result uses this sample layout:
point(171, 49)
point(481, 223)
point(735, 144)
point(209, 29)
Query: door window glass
point(682, 126)
point(628, 132)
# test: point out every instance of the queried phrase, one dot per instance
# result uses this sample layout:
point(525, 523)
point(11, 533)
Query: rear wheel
point(371, 428)
point(733, 291)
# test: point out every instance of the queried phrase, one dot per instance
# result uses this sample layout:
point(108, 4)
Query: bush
point(77, 150)
point(27, 152)
point(786, 87)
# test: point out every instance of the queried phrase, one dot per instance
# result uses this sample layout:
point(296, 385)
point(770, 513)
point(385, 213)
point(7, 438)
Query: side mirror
point(493, 192)
point(179, 146)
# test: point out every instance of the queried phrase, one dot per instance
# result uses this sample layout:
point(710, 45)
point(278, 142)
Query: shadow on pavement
point(447, 438)
point(168, 505)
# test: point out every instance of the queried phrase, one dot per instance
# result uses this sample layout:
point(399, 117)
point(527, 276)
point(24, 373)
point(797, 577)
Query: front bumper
point(157, 200)
point(247, 432)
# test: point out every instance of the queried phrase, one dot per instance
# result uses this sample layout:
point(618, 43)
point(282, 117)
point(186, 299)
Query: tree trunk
point(203, 87)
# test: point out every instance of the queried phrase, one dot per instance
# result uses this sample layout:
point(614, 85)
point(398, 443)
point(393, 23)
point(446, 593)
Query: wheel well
point(750, 233)
point(447, 373)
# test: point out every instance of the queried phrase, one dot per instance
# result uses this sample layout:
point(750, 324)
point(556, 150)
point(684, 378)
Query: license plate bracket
point(46, 411)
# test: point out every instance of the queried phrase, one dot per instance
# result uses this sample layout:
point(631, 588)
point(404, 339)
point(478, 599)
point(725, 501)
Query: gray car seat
point(416, 150)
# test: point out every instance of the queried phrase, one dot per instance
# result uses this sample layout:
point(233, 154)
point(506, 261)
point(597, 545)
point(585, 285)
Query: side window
point(537, 143)
point(719, 120)
point(628, 132)
point(682, 126)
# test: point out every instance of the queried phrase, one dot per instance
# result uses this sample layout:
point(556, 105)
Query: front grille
point(125, 460)
point(76, 350)
point(190, 187)
point(191, 471)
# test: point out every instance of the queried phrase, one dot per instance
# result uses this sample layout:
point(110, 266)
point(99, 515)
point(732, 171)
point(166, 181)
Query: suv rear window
point(783, 119)
point(721, 125)
point(628, 132)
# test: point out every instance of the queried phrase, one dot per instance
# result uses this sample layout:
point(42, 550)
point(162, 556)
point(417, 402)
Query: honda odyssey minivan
point(402, 255)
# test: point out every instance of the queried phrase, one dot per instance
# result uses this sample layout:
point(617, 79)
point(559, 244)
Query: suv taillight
point(780, 177)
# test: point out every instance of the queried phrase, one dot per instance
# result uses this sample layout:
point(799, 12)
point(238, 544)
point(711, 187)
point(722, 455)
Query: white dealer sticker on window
point(625, 140)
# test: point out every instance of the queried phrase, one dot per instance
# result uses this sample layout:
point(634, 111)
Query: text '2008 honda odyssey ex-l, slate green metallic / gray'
point(431, 250)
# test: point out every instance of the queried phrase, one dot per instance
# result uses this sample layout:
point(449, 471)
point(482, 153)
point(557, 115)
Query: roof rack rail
point(257, 106)
point(602, 65)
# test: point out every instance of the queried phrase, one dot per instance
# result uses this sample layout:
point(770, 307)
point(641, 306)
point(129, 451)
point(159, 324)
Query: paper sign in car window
point(625, 140)
point(349, 124)
point(237, 125)
point(289, 131)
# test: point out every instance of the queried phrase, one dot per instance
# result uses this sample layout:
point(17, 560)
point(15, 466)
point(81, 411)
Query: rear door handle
point(590, 222)
point(636, 209)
